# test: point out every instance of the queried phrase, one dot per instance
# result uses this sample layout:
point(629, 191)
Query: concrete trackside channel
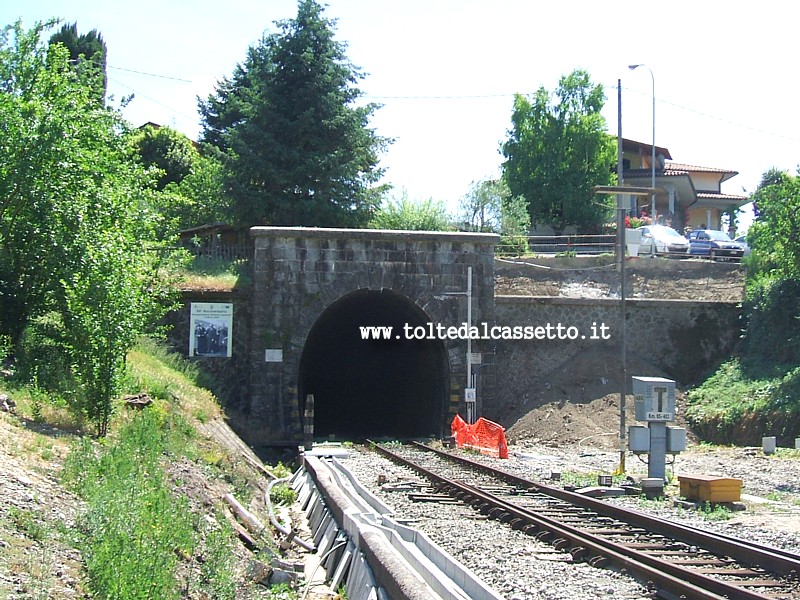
point(363, 549)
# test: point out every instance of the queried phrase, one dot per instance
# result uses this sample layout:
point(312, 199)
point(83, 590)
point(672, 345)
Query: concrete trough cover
point(324, 450)
point(385, 558)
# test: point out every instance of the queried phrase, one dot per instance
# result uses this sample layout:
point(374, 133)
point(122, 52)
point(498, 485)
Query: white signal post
point(469, 392)
point(470, 396)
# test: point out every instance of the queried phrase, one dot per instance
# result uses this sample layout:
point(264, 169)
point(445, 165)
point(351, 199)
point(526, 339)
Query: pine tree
point(297, 149)
point(86, 51)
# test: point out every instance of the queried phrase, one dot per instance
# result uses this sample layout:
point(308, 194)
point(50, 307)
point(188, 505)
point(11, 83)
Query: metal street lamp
point(653, 157)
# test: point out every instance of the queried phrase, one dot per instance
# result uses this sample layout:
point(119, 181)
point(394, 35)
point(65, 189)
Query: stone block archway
point(315, 286)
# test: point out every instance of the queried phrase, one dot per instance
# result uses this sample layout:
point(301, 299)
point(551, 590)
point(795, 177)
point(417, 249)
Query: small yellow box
point(708, 488)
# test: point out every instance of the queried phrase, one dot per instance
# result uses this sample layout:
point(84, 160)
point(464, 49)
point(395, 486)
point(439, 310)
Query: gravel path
point(521, 568)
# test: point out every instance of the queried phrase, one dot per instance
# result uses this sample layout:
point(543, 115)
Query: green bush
point(772, 309)
point(512, 245)
point(741, 403)
point(282, 494)
point(43, 355)
point(134, 530)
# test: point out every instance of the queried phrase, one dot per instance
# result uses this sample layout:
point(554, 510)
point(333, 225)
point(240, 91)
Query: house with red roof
point(688, 195)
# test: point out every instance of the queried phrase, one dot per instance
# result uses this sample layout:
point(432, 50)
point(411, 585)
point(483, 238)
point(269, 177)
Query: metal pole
point(622, 321)
point(469, 337)
point(308, 423)
point(653, 157)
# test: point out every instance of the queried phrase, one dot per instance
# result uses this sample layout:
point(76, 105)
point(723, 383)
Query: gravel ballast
point(519, 567)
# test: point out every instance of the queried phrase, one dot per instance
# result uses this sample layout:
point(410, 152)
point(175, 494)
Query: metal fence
point(222, 252)
point(559, 244)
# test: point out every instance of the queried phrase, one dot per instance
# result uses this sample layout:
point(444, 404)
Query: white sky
point(446, 71)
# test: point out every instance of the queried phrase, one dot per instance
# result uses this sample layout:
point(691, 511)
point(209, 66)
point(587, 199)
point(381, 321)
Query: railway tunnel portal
point(313, 292)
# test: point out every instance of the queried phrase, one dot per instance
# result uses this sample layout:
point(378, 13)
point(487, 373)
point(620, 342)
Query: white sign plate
point(274, 355)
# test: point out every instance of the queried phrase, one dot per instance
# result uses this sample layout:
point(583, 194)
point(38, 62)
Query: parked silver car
point(665, 240)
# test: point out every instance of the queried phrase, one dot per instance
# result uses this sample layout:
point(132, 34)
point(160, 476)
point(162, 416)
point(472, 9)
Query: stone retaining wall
point(684, 339)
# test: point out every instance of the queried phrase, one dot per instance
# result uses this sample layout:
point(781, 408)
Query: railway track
point(677, 560)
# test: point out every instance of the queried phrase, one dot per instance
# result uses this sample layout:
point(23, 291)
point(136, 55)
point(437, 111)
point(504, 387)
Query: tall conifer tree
point(297, 148)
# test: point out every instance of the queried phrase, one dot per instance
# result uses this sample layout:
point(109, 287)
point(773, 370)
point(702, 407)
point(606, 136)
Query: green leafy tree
point(489, 206)
point(775, 234)
point(298, 151)
point(76, 220)
point(480, 209)
point(52, 154)
point(557, 150)
point(87, 53)
point(199, 198)
point(772, 303)
point(404, 213)
point(167, 150)
point(515, 226)
point(108, 306)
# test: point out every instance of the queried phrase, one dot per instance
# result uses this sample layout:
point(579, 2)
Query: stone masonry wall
point(299, 272)
point(684, 339)
point(230, 375)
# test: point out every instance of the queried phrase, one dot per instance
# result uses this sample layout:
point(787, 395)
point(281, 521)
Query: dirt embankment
point(599, 277)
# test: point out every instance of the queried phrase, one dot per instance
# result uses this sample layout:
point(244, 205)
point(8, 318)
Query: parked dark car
point(714, 244)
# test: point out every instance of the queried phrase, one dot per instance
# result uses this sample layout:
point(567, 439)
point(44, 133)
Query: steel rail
point(779, 562)
point(665, 576)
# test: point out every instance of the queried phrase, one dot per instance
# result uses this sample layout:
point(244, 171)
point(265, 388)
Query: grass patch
point(208, 273)
point(742, 402)
point(167, 376)
point(134, 531)
point(580, 480)
point(28, 522)
point(138, 538)
point(714, 512)
point(282, 493)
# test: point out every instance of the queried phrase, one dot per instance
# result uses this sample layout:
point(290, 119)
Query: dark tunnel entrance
point(373, 388)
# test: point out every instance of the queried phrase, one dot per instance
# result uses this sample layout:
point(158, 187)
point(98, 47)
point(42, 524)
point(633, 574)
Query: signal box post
point(654, 403)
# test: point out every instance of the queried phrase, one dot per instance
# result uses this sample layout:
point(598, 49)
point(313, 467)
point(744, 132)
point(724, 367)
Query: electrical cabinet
point(654, 398)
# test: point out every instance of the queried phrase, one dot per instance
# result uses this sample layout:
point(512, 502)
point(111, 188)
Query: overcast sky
point(446, 70)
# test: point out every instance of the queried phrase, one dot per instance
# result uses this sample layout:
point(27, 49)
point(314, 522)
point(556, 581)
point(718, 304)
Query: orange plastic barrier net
point(487, 437)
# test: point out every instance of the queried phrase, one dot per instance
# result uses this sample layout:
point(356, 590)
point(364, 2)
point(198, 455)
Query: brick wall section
point(682, 338)
point(299, 272)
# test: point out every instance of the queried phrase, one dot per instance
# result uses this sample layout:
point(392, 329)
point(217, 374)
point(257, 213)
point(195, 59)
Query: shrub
point(133, 531)
point(43, 356)
point(772, 308)
point(282, 494)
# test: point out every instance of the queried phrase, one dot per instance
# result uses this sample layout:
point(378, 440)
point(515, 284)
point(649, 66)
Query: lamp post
point(653, 157)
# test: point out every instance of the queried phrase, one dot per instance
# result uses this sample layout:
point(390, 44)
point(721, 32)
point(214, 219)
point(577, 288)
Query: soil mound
point(578, 402)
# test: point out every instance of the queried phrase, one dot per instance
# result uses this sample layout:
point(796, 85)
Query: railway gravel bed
point(519, 567)
point(514, 564)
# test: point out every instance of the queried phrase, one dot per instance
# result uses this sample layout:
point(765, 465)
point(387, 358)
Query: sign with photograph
point(211, 329)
